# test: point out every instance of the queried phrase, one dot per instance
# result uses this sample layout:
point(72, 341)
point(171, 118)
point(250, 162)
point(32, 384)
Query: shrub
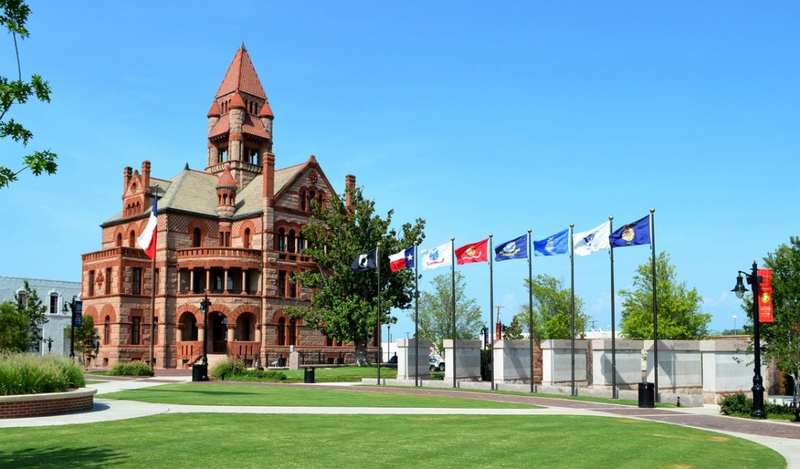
point(258, 375)
point(136, 368)
point(740, 405)
point(32, 374)
point(227, 368)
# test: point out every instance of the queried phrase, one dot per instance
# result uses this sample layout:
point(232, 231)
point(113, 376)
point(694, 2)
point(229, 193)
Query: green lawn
point(306, 441)
point(331, 375)
point(282, 395)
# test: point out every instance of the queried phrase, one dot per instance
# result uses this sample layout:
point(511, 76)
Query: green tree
point(780, 340)
point(85, 338)
point(31, 307)
point(679, 315)
point(436, 312)
point(14, 327)
point(514, 330)
point(552, 310)
point(345, 303)
point(14, 18)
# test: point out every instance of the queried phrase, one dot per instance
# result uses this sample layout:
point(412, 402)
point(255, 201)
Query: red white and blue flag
point(402, 260)
point(147, 240)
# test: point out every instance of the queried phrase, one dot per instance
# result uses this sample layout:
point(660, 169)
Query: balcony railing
point(189, 351)
point(243, 350)
point(294, 257)
point(114, 252)
point(239, 253)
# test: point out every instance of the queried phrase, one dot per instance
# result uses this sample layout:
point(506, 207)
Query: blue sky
point(482, 117)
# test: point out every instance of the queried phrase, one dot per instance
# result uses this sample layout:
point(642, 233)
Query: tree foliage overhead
point(86, 338)
point(552, 310)
point(436, 312)
point(679, 315)
point(780, 340)
point(345, 303)
point(13, 17)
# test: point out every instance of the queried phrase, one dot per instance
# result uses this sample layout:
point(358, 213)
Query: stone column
point(244, 281)
point(191, 280)
point(512, 361)
point(225, 280)
point(208, 279)
point(407, 362)
point(230, 332)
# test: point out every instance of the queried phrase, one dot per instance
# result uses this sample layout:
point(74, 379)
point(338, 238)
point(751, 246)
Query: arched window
point(281, 331)
point(119, 240)
point(132, 239)
point(246, 238)
point(188, 325)
point(280, 240)
point(107, 330)
point(290, 241)
point(197, 237)
point(293, 331)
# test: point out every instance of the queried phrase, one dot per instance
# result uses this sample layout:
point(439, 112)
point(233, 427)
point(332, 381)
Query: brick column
point(225, 280)
point(244, 281)
point(208, 279)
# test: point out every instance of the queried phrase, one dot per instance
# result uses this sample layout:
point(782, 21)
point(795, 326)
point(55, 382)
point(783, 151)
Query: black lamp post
point(758, 383)
point(204, 307)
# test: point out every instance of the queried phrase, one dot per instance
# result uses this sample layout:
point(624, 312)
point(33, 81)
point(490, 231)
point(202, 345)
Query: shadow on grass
point(87, 456)
point(215, 392)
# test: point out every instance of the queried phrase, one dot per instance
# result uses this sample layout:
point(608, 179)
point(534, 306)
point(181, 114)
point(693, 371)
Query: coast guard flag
point(365, 261)
point(147, 240)
point(437, 257)
point(632, 234)
point(402, 260)
point(552, 245)
point(594, 240)
point(517, 248)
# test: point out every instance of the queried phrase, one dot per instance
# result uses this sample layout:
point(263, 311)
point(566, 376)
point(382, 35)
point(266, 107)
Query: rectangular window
point(91, 283)
point(136, 281)
point(136, 330)
point(108, 281)
point(184, 279)
point(281, 283)
point(54, 303)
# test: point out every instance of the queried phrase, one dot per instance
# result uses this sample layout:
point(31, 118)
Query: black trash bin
point(647, 395)
point(199, 372)
point(308, 375)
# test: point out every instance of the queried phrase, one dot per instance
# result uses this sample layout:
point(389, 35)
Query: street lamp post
point(204, 307)
point(758, 383)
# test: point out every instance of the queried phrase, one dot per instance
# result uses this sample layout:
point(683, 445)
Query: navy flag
point(632, 234)
point(515, 249)
point(366, 261)
point(552, 245)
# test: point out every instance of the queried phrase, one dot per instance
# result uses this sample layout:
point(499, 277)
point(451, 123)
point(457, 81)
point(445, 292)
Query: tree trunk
point(361, 351)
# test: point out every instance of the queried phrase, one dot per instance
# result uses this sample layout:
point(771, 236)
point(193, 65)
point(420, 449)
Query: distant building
point(54, 295)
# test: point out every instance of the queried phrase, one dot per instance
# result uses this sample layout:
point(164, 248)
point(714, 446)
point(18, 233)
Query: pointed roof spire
point(265, 111)
point(214, 110)
point(241, 76)
point(237, 102)
point(226, 179)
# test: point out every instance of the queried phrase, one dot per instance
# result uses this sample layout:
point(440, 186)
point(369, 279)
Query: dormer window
point(223, 155)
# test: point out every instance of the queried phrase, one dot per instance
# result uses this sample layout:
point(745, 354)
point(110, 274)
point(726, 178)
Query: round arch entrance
point(217, 332)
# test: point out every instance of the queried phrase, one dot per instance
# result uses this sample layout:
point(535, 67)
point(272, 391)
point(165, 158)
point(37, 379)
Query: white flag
point(596, 239)
point(437, 257)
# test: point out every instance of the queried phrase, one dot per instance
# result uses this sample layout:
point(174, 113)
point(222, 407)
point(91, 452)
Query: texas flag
point(147, 240)
point(402, 260)
point(473, 252)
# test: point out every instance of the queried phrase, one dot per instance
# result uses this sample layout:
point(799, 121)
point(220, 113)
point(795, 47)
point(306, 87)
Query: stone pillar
point(258, 333)
point(191, 280)
point(225, 280)
point(512, 361)
point(208, 279)
point(468, 360)
point(556, 362)
point(244, 282)
point(406, 359)
point(230, 332)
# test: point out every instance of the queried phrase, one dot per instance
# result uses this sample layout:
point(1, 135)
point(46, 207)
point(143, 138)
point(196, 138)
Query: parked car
point(436, 362)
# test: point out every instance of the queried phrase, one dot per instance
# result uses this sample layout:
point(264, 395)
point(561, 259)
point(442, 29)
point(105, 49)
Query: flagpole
point(380, 313)
point(572, 300)
point(530, 303)
point(655, 300)
point(613, 316)
point(154, 190)
point(416, 319)
point(491, 313)
point(453, 298)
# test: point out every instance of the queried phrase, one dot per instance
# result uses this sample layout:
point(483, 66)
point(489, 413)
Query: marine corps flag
point(765, 311)
point(473, 252)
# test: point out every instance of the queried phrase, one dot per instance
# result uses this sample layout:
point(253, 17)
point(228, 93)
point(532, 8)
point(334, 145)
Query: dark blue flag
point(632, 234)
point(365, 261)
point(515, 249)
point(552, 245)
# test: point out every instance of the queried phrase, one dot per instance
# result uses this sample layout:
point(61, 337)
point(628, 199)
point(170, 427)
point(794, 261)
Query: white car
point(436, 362)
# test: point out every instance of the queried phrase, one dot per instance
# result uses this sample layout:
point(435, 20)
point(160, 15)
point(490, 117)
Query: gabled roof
point(241, 76)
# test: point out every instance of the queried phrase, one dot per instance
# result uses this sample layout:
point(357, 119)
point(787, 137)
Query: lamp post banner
point(765, 312)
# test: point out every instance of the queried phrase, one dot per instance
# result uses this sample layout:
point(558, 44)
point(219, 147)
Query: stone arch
point(92, 311)
point(255, 310)
point(108, 310)
point(188, 326)
point(190, 308)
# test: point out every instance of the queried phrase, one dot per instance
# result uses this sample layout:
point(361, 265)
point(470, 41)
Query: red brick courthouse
point(233, 230)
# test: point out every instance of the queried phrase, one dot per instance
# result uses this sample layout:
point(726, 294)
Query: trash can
point(647, 395)
point(308, 375)
point(199, 372)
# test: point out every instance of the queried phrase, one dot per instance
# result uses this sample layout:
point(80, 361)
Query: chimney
point(126, 178)
point(349, 187)
point(146, 176)
point(268, 183)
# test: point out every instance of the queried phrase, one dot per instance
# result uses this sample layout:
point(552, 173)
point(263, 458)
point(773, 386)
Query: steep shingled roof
point(241, 76)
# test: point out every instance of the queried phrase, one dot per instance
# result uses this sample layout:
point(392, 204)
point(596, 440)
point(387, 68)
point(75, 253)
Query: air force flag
point(552, 245)
point(594, 240)
point(632, 234)
point(514, 249)
point(437, 257)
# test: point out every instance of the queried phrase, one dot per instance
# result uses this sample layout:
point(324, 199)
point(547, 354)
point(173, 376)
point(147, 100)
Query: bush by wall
point(235, 370)
point(739, 405)
point(224, 369)
point(22, 373)
point(131, 369)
